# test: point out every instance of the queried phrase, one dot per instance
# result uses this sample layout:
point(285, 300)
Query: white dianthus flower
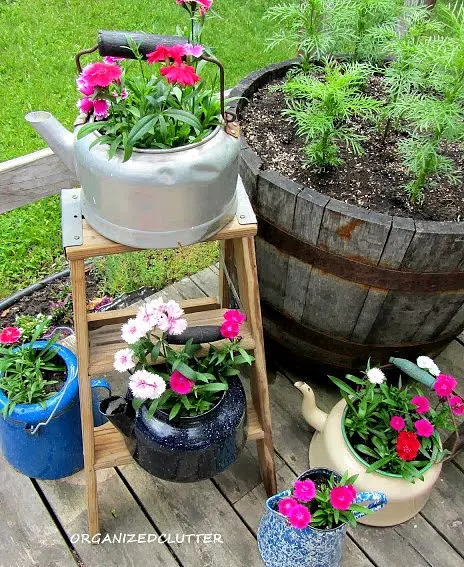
point(426, 363)
point(375, 376)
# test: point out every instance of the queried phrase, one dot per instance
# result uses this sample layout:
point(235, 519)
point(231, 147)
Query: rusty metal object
point(359, 272)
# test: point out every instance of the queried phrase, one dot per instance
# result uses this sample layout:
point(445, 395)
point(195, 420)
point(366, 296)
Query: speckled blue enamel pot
point(46, 441)
point(186, 449)
point(281, 545)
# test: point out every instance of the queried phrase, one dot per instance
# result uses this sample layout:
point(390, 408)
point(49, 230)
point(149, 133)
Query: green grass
point(38, 42)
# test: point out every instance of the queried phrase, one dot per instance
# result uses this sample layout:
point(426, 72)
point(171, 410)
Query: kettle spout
point(60, 140)
point(120, 413)
point(315, 417)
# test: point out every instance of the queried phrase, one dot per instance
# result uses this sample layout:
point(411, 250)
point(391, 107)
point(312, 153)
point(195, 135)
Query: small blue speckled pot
point(281, 545)
point(186, 449)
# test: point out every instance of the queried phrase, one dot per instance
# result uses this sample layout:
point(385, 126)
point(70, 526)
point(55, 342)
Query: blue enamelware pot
point(281, 545)
point(54, 449)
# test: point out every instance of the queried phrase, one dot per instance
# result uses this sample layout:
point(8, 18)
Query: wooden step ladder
point(98, 336)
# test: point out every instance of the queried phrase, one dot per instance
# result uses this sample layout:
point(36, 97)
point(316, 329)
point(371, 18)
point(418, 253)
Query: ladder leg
point(247, 275)
point(85, 394)
point(227, 250)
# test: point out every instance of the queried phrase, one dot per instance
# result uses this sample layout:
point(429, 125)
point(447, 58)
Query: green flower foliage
point(322, 108)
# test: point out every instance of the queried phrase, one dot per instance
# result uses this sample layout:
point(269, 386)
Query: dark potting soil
point(47, 300)
point(374, 180)
point(53, 375)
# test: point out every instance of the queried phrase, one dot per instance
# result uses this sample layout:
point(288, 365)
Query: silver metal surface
point(245, 213)
point(156, 199)
point(60, 140)
point(71, 217)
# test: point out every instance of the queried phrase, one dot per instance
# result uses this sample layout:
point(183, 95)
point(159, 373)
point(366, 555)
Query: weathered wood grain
point(353, 232)
point(119, 514)
point(28, 535)
point(31, 178)
point(276, 199)
point(424, 537)
point(436, 246)
point(207, 280)
point(332, 304)
point(296, 287)
point(400, 236)
point(401, 233)
point(272, 273)
point(445, 508)
point(309, 211)
point(249, 167)
point(197, 508)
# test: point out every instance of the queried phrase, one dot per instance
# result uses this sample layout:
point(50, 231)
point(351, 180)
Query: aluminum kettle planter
point(281, 545)
point(158, 198)
point(185, 449)
point(54, 449)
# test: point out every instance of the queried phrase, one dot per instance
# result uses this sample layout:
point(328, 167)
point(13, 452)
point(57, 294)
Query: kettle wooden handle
point(118, 43)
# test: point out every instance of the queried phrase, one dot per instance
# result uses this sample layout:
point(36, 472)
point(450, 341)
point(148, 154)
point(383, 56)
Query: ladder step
point(106, 341)
point(111, 450)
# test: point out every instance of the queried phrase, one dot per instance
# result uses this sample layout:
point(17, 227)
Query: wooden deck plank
point(28, 535)
point(119, 514)
point(197, 508)
point(208, 281)
point(445, 508)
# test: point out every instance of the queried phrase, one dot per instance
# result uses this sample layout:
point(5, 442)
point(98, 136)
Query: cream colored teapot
point(330, 448)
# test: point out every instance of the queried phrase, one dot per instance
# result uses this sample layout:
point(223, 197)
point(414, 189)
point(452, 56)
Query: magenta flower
point(341, 497)
point(112, 60)
point(422, 404)
point(423, 427)
point(444, 385)
point(230, 330)
point(234, 316)
point(193, 50)
point(352, 490)
point(304, 490)
point(163, 53)
point(83, 87)
point(180, 384)
point(299, 516)
point(101, 74)
point(286, 504)
point(397, 423)
point(9, 335)
point(182, 74)
point(457, 405)
point(101, 108)
point(85, 105)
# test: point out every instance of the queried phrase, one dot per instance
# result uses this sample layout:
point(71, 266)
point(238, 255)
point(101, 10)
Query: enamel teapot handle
point(119, 44)
point(377, 500)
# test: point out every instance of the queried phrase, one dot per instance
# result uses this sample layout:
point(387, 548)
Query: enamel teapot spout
point(60, 140)
point(315, 417)
point(120, 413)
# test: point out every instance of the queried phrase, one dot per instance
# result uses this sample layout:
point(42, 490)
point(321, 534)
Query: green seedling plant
point(429, 97)
point(315, 28)
point(368, 22)
point(322, 109)
point(23, 371)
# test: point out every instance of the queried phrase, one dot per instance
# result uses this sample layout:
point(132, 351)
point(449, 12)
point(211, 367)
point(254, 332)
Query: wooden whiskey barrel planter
point(339, 283)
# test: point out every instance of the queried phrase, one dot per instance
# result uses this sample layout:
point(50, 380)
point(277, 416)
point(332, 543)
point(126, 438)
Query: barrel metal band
point(358, 272)
point(345, 348)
